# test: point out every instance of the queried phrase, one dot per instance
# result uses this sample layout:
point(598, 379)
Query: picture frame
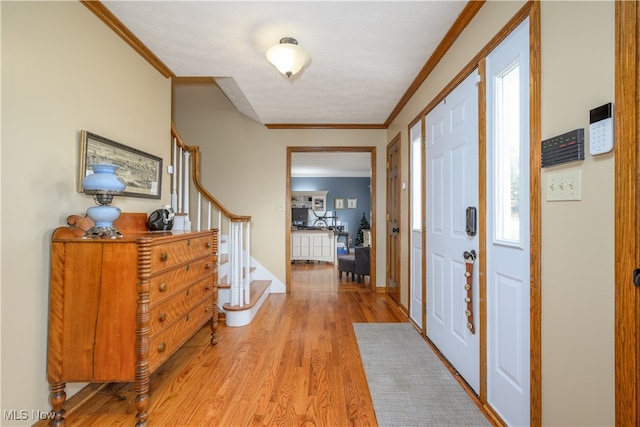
point(338, 203)
point(351, 203)
point(142, 172)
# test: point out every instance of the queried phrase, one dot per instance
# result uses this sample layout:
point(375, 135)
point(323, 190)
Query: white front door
point(415, 281)
point(451, 188)
point(508, 228)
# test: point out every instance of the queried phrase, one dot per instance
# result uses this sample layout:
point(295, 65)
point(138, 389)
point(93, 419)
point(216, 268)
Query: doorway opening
point(338, 211)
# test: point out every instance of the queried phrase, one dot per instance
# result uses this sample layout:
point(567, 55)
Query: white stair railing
point(185, 179)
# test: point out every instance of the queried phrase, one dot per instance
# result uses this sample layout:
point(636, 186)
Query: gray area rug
point(409, 384)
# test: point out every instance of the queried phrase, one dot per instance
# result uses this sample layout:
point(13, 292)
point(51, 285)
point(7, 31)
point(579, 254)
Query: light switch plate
point(563, 186)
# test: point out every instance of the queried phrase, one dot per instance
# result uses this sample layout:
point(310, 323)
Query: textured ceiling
point(364, 54)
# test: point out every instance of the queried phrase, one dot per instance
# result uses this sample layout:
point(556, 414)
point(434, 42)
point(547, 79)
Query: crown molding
point(465, 17)
point(105, 15)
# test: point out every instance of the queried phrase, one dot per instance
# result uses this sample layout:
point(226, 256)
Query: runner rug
point(409, 384)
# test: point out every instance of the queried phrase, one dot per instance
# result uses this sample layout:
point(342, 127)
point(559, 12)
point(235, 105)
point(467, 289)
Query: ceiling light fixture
point(288, 57)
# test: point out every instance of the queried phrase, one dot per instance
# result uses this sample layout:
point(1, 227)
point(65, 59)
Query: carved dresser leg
point(57, 397)
point(142, 401)
point(142, 395)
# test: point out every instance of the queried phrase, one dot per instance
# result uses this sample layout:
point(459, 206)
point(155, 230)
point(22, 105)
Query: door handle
point(395, 230)
point(470, 256)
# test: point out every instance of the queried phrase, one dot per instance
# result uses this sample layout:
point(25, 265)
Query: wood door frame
point(627, 222)
point(337, 149)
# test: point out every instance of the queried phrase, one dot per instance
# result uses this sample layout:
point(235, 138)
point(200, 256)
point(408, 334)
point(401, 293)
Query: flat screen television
point(299, 216)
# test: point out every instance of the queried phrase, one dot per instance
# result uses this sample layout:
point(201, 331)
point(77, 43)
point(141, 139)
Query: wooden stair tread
point(258, 287)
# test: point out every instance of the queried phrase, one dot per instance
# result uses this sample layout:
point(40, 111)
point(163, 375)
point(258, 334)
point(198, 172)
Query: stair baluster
point(185, 178)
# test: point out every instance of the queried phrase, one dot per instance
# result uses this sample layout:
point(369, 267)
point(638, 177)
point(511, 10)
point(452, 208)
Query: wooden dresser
point(119, 308)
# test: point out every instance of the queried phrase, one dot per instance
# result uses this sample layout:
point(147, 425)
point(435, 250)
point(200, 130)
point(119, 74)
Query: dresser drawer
point(180, 251)
point(166, 284)
point(163, 345)
point(179, 304)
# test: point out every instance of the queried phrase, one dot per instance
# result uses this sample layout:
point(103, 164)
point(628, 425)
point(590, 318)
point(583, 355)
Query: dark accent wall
point(346, 188)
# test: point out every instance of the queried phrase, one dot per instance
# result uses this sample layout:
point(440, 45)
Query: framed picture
point(351, 203)
point(338, 203)
point(142, 172)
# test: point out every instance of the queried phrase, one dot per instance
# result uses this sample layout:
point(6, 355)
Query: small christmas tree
point(364, 225)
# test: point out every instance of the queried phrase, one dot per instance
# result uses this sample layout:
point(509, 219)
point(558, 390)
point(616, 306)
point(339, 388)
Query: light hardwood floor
point(296, 364)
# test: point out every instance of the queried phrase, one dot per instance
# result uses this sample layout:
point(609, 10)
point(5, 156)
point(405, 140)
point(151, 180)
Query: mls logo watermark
point(25, 415)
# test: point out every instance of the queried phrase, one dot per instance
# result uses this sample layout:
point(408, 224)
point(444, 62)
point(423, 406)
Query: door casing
point(627, 208)
point(338, 149)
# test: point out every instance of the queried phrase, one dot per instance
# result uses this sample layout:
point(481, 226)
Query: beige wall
point(246, 167)
point(63, 71)
point(577, 237)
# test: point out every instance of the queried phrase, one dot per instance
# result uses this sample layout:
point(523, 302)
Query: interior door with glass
point(451, 189)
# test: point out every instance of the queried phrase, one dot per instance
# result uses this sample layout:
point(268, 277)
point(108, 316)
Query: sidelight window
point(507, 155)
point(416, 177)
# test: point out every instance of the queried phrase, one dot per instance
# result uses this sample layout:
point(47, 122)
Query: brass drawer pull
point(207, 309)
point(162, 287)
point(187, 292)
point(162, 317)
point(207, 244)
point(207, 287)
point(208, 266)
point(164, 256)
point(188, 267)
point(162, 347)
point(188, 242)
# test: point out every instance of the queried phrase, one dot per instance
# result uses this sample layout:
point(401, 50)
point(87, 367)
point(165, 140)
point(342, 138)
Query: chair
point(347, 264)
point(362, 260)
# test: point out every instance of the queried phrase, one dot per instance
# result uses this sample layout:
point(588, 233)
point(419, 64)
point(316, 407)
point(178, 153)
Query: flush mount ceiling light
point(288, 57)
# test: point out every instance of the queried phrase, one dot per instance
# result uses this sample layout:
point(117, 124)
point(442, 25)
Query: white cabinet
point(316, 200)
point(313, 245)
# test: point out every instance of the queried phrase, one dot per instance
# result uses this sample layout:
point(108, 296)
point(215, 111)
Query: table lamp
point(103, 184)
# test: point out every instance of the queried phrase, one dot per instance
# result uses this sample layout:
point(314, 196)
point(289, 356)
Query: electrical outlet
point(564, 186)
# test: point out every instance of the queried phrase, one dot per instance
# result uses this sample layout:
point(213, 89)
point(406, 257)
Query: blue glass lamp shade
point(103, 184)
